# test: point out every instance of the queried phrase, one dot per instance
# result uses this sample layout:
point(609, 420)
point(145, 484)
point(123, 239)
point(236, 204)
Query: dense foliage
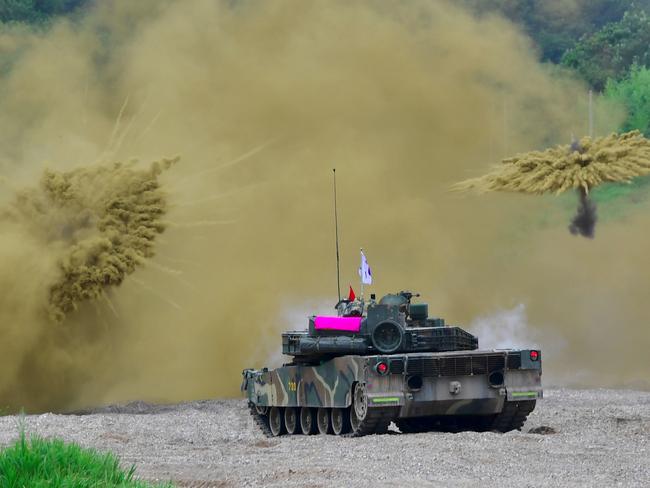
point(609, 52)
point(35, 11)
point(556, 25)
point(633, 92)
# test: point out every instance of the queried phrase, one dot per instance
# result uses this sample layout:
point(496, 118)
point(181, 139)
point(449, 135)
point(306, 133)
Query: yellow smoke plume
point(616, 158)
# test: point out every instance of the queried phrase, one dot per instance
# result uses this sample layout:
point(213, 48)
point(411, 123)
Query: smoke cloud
point(511, 329)
point(506, 329)
point(261, 100)
point(89, 228)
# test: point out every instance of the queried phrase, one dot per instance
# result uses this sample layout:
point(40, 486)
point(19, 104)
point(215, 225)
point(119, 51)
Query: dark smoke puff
point(584, 222)
point(105, 217)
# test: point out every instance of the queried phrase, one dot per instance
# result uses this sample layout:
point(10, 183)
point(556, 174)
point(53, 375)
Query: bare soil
point(577, 438)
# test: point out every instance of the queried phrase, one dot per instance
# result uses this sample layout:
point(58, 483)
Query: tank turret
point(392, 325)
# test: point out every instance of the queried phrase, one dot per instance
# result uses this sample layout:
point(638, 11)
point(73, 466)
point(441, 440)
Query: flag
point(364, 270)
point(351, 295)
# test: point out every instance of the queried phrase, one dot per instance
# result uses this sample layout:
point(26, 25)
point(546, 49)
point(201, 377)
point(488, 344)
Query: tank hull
point(462, 390)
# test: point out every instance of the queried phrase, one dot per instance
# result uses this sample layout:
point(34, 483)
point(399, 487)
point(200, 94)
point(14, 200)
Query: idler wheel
point(307, 421)
point(324, 421)
point(291, 420)
point(276, 421)
point(261, 409)
point(359, 409)
point(340, 421)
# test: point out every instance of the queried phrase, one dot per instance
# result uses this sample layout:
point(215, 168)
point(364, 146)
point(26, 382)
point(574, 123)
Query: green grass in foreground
point(40, 463)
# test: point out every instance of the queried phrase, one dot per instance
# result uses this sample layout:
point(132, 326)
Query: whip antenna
point(591, 113)
point(336, 227)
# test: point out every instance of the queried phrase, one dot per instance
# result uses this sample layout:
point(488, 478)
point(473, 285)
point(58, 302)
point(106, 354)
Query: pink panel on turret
point(346, 324)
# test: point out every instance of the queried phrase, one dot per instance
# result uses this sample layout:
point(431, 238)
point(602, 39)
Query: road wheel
point(324, 421)
point(308, 421)
point(359, 409)
point(291, 420)
point(276, 421)
point(340, 421)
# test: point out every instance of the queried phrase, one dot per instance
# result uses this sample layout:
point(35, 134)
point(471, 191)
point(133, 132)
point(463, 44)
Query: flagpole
point(336, 226)
point(361, 276)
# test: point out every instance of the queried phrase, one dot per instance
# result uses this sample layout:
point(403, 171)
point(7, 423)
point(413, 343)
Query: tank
point(374, 363)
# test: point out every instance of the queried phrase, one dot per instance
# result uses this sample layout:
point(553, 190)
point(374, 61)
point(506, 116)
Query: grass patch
point(636, 191)
point(40, 463)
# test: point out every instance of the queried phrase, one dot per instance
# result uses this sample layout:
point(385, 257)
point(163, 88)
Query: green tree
point(609, 52)
point(555, 25)
point(633, 92)
point(19, 11)
point(35, 11)
point(58, 7)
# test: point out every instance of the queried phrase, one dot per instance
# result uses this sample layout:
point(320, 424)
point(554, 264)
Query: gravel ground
point(602, 439)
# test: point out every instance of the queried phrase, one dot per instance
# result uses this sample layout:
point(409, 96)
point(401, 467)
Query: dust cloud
point(261, 100)
point(89, 229)
point(507, 329)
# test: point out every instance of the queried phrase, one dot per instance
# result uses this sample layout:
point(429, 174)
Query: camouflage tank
point(372, 364)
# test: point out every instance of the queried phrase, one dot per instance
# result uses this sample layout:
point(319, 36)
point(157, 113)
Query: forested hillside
point(556, 25)
point(600, 39)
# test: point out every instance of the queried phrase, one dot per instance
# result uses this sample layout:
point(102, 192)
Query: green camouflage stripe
point(524, 394)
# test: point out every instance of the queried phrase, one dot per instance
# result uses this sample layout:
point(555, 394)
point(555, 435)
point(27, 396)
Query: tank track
point(512, 417)
point(261, 420)
point(376, 422)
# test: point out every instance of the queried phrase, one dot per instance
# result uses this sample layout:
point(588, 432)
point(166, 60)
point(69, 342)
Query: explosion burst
point(104, 220)
point(581, 166)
